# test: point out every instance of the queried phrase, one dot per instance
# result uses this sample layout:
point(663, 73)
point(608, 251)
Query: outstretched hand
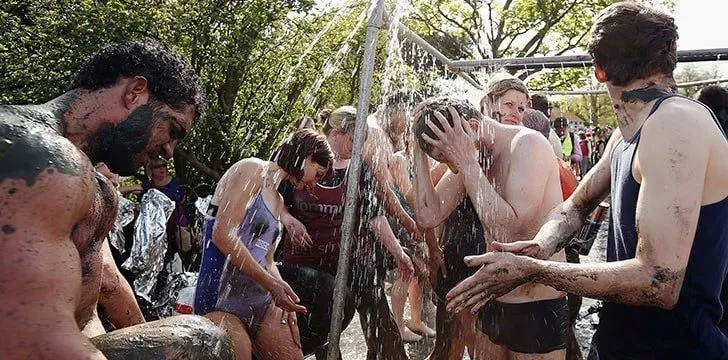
point(499, 274)
point(528, 248)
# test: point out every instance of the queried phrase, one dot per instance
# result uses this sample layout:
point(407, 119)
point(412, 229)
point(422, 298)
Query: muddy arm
point(116, 296)
point(40, 269)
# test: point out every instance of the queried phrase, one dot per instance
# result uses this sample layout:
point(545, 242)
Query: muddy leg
point(178, 337)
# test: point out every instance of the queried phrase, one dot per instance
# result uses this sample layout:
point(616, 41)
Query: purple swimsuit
point(222, 286)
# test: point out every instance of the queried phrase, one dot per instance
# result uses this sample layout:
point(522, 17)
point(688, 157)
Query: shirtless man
point(512, 198)
point(667, 246)
point(130, 103)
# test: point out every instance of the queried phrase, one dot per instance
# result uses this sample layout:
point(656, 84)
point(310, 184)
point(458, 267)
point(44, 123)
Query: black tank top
point(690, 331)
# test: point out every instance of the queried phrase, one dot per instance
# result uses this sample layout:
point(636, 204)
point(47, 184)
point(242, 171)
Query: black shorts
point(537, 327)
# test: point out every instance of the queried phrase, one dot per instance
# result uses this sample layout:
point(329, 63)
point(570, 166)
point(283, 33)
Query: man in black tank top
point(667, 251)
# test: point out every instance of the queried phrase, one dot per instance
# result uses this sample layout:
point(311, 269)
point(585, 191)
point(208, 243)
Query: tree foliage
point(265, 63)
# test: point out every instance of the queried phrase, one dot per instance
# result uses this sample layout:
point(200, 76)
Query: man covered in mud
point(130, 103)
point(500, 169)
point(668, 238)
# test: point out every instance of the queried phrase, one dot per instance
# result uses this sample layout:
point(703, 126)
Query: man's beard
point(121, 147)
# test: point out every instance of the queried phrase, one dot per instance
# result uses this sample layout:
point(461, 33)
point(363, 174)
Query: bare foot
point(408, 336)
point(422, 329)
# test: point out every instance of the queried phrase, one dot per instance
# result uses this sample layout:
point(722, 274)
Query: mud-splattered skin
point(55, 211)
point(91, 231)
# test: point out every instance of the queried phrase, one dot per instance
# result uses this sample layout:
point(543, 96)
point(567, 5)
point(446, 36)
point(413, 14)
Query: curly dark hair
point(429, 106)
point(170, 78)
point(632, 41)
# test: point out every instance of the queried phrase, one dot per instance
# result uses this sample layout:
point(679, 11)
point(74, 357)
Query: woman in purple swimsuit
point(239, 287)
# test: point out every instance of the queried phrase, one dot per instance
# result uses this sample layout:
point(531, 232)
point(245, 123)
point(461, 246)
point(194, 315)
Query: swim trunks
point(537, 327)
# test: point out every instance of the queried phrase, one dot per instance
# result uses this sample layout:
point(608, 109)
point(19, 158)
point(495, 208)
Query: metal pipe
point(703, 82)
point(411, 36)
point(566, 61)
point(600, 92)
point(347, 229)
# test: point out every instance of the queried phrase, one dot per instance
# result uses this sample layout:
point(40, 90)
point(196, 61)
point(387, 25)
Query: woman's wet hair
point(427, 112)
point(631, 41)
point(342, 119)
point(292, 152)
point(401, 101)
point(499, 84)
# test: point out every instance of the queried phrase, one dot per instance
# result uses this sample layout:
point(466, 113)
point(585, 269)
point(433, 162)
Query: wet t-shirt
point(321, 210)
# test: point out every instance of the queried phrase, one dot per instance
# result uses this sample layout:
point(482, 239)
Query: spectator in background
point(540, 103)
point(537, 121)
point(569, 144)
point(159, 178)
point(585, 146)
point(716, 98)
point(600, 142)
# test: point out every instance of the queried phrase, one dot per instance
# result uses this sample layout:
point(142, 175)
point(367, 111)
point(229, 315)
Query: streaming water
point(406, 68)
point(333, 63)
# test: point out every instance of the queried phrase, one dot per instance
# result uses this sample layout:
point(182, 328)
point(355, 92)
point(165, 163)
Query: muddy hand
point(499, 273)
point(524, 248)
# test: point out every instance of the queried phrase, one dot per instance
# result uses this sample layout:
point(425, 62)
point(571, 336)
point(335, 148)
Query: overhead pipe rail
point(411, 36)
point(567, 61)
point(603, 91)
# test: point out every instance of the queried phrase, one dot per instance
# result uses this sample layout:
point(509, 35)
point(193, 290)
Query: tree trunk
point(197, 164)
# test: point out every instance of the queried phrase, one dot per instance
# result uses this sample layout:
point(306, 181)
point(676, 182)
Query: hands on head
point(454, 142)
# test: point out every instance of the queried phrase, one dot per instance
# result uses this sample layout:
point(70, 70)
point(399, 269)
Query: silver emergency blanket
point(150, 242)
point(198, 227)
point(167, 291)
point(123, 218)
point(201, 204)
